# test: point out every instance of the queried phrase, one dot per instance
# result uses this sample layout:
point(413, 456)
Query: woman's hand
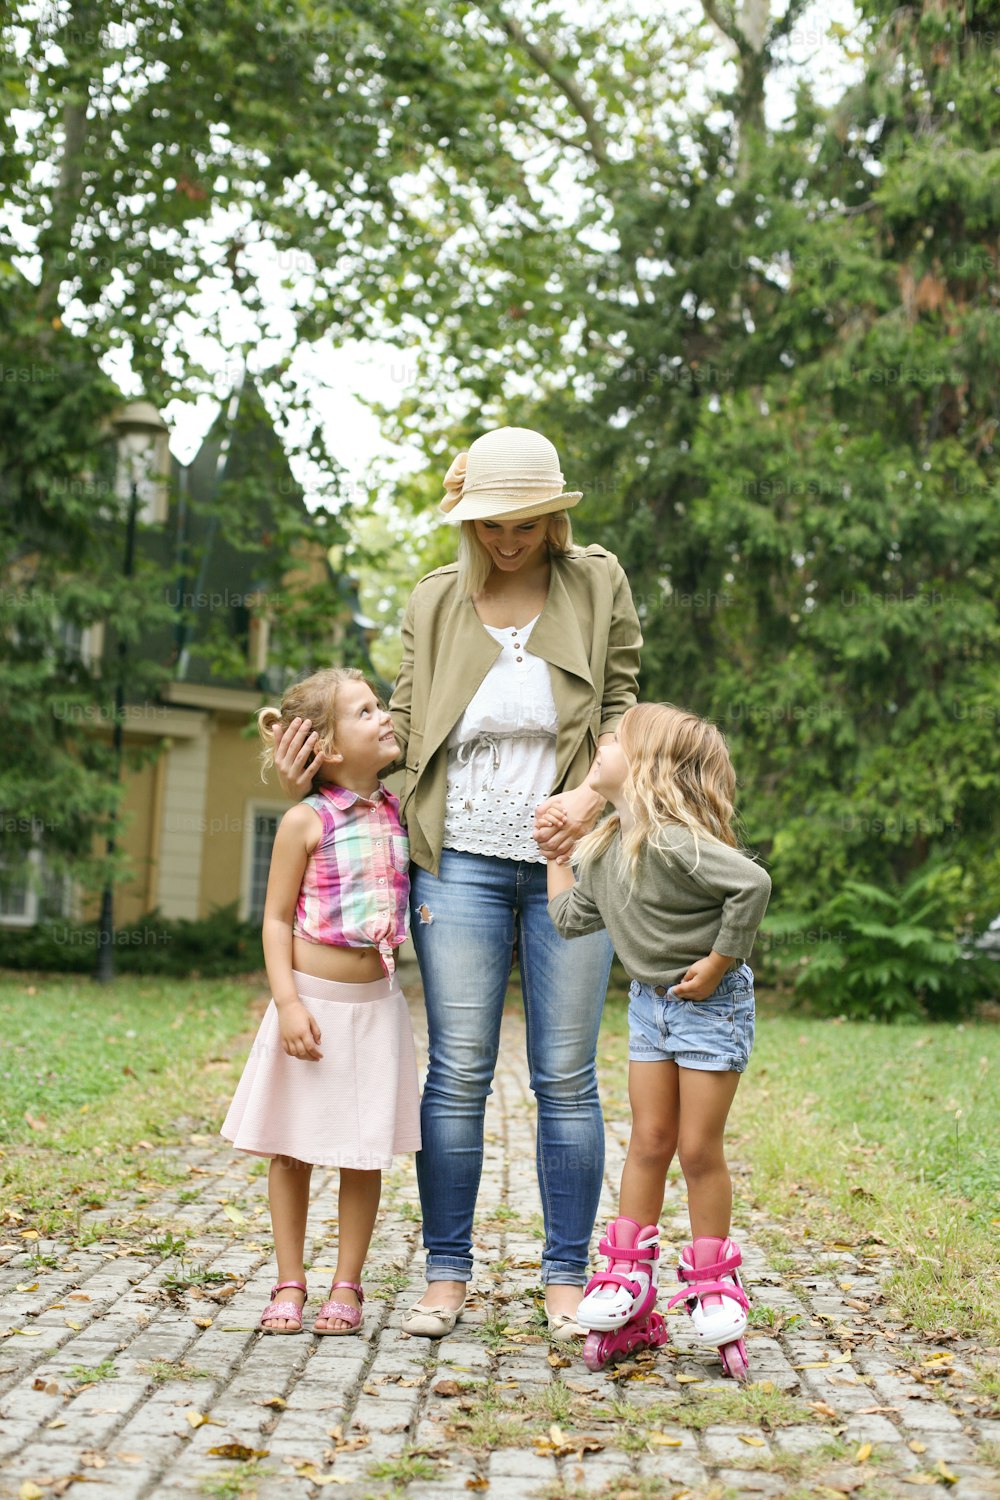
point(563, 819)
point(296, 759)
point(300, 1033)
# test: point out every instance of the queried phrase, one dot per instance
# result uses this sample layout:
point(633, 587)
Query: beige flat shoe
point(431, 1322)
point(563, 1328)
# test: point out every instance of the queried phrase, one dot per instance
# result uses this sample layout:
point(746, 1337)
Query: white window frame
point(29, 917)
point(254, 809)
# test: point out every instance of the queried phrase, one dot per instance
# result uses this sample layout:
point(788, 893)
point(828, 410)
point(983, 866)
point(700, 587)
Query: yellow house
point(197, 820)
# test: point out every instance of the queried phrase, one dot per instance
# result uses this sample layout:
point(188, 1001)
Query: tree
point(774, 372)
point(164, 166)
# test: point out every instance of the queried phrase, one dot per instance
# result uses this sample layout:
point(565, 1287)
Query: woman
point(518, 661)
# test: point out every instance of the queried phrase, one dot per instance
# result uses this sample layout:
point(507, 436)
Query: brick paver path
point(841, 1405)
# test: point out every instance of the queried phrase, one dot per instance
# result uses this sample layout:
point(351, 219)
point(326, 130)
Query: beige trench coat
point(587, 631)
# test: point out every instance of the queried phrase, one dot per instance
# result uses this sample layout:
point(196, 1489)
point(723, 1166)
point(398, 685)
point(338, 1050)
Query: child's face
point(364, 741)
point(610, 768)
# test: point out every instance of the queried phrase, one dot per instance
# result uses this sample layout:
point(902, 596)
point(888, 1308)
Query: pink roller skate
point(618, 1308)
point(716, 1300)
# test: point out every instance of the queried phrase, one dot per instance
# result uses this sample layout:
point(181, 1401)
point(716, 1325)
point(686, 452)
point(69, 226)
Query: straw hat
point(511, 471)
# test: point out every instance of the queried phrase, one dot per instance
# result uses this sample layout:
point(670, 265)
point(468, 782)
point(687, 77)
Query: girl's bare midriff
point(342, 965)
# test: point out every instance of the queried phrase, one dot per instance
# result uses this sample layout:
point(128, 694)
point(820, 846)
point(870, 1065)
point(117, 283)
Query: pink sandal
point(350, 1315)
point(283, 1309)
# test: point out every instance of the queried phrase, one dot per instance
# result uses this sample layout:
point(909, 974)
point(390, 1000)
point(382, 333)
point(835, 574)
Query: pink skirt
point(356, 1106)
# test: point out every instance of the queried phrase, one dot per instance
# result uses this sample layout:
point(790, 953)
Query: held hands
point(296, 759)
point(300, 1033)
point(563, 819)
point(702, 978)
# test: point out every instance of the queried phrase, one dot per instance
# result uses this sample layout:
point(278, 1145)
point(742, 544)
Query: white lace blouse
point(502, 754)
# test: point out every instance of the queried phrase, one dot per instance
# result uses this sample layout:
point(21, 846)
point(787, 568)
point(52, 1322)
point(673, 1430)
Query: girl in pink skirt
point(332, 1076)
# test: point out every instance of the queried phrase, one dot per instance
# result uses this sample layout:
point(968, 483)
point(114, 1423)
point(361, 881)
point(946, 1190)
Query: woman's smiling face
point(513, 544)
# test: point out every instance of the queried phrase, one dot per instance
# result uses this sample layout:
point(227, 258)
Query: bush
point(215, 946)
point(876, 954)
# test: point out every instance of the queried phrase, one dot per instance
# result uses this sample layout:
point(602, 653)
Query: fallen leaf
point(29, 1491)
point(37, 1122)
point(56, 1422)
point(91, 1459)
point(664, 1440)
point(558, 1362)
point(477, 1482)
point(198, 1419)
point(942, 1468)
point(70, 1323)
point(27, 1286)
point(752, 1442)
point(306, 1470)
point(277, 1402)
point(48, 1386)
point(202, 1322)
point(238, 1452)
point(233, 1214)
point(688, 1379)
point(823, 1409)
point(916, 1446)
point(812, 1364)
point(863, 1454)
point(447, 1388)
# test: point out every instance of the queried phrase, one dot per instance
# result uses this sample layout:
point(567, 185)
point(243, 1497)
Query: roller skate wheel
point(594, 1353)
point(734, 1361)
point(657, 1330)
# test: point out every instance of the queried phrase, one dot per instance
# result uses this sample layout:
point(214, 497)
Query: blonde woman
point(518, 662)
point(682, 904)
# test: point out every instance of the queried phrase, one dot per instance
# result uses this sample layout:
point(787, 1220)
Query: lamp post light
point(142, 439)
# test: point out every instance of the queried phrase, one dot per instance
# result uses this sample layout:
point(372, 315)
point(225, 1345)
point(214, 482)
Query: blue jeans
point(474, 908)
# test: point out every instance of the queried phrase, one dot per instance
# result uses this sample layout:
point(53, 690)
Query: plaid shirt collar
point(343, 798)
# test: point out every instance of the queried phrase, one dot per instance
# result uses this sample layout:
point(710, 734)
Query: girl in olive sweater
point(682, 905)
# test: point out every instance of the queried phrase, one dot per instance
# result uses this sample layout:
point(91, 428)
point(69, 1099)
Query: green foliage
point(768, 357)
point(889, 954)
point(216, 946)
point(190, 153)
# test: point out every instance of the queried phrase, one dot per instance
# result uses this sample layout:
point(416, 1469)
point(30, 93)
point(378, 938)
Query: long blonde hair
point(314, 698)
point(475, 564)
point(679, 774)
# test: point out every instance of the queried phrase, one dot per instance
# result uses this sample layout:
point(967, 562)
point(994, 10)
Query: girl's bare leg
point(654, 1096)
point(288, 1195)
point(358, 1206)
point(705, 1101)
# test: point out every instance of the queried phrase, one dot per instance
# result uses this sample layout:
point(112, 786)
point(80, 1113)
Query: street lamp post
point(141, 436)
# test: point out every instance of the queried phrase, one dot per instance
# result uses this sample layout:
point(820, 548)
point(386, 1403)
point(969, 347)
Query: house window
point(264, 825)
point(19, 892)
point(32, 892)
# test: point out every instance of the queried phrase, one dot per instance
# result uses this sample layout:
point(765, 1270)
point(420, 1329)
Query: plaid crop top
point(356, 887)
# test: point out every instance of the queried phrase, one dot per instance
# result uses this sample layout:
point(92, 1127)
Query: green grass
point(881, 1137)
point(105, 1074)
point(90, 1374)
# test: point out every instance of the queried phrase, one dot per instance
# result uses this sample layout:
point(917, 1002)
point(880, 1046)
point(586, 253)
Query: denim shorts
point(714, 1035)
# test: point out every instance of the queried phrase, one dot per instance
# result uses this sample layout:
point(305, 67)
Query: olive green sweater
point(683, 905)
